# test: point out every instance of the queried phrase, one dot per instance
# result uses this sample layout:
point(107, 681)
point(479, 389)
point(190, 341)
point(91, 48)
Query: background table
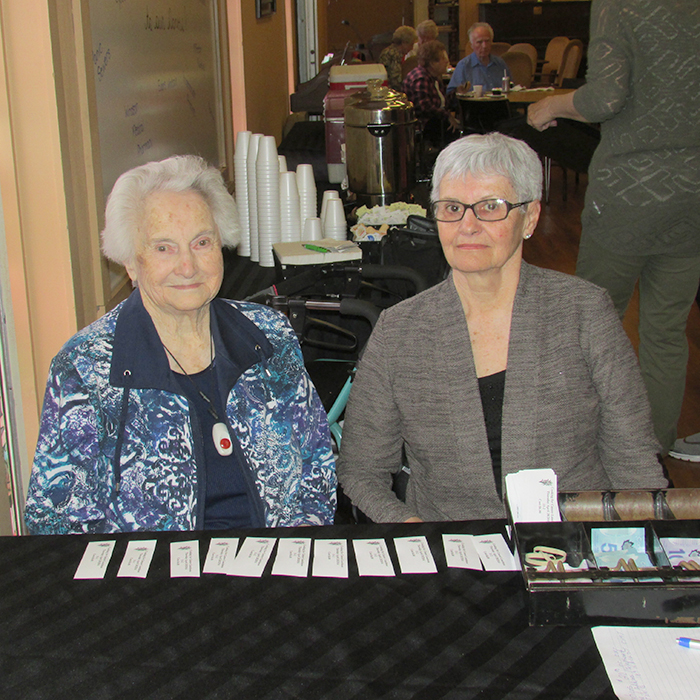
point(526, 97)
point(456, 634)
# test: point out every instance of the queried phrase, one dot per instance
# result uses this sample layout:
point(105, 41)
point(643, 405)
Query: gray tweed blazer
point(574, 401)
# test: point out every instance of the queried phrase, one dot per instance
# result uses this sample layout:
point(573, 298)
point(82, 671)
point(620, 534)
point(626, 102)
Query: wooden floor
point(555, 245)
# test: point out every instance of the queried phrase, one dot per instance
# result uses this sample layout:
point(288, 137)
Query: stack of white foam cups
point(308, 207)
point(276, 205)
point(333, 216)
point(240, 172)
point(253, 195)
point(290, 219)
point(268, 199)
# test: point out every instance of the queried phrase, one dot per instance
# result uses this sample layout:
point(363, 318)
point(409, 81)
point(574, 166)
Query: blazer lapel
point(467, 417)
point(522, 378)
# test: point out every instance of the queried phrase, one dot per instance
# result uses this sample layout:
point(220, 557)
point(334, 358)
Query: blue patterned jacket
point(119, 451)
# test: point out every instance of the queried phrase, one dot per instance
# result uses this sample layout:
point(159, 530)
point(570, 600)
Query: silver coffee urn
point(380, 128)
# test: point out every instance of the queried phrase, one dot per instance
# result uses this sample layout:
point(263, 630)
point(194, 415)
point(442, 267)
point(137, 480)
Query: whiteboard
point(157, 78)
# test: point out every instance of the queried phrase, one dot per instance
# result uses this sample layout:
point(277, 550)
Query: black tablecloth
point(455, 634)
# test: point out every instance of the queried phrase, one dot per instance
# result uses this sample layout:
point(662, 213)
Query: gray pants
point(667, 288)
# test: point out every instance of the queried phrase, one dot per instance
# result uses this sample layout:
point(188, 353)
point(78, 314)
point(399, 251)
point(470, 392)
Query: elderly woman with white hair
point(502, 367)
point(178, 410)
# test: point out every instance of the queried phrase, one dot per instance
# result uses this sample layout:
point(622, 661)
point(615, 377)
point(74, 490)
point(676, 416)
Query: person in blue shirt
point(480, 67)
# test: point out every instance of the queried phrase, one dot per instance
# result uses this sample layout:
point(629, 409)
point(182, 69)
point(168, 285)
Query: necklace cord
point(210, 404)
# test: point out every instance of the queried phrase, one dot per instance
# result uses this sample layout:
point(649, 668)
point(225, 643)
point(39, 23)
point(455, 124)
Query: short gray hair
point(488, 155)
point(125, 204)
point(427, 30)
point(404, 35)
point(479, 25)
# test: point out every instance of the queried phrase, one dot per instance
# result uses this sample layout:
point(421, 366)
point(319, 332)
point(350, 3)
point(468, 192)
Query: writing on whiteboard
point(198, 52)
point(143, 147)
point(100, 58)
point(161, 22)
point(167, 84)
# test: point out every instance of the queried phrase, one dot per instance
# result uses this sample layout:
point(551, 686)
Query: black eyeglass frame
point(471, 206)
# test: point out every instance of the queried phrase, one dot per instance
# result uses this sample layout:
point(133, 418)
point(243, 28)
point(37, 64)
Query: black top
point(226, 500)
point(491, 389)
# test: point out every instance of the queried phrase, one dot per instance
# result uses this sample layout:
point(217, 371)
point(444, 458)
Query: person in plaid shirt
point(425, 88)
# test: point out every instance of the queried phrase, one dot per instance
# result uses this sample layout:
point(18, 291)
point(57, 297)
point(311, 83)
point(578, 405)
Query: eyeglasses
point(451, 211)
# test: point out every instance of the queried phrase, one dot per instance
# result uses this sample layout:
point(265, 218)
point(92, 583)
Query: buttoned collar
point(474, 60)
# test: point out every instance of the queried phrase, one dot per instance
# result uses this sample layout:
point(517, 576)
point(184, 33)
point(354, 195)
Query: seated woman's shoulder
point(565, 283)
point(254, 309)
point(424, 301)
point(90, 338)
point(266, 318)
point(557, 294)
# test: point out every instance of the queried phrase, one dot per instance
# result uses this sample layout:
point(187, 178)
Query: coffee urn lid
point(378, 105)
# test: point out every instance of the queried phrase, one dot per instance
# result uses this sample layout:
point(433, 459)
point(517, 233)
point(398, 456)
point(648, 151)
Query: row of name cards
point(294, 555)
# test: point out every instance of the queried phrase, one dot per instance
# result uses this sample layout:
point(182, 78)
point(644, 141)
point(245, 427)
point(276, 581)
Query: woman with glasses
point(501, 367)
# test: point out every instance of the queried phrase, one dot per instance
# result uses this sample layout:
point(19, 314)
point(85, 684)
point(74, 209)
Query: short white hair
point(487, 155)
point(126, 203)
point(427, 30)
point(479, 25)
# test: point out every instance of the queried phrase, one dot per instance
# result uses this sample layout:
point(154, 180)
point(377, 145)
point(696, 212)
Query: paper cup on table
point(253, 194)
point(240, 173)
point(290, 221)
point(327, 194)
point(478, 90)
point(312, 230)
point(334, 225)
point(282, 160)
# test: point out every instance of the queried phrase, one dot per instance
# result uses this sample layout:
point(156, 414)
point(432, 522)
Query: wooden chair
point(552, 59)
point(498, 48)
point(530, 50)
point(520, 67)
point(570, 62)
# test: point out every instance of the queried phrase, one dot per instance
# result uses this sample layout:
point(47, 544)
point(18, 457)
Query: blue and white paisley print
point(273, 411)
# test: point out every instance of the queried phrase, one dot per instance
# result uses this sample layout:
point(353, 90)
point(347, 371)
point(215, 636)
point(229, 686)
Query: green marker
point(316, 248)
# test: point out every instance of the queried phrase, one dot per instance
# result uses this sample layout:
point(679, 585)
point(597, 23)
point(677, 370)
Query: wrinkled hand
point(454, 122)
point(539, 115)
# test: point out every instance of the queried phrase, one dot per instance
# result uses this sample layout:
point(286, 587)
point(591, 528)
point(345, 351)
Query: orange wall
point(366, 17)
point(266, 77)
point(34, 206)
